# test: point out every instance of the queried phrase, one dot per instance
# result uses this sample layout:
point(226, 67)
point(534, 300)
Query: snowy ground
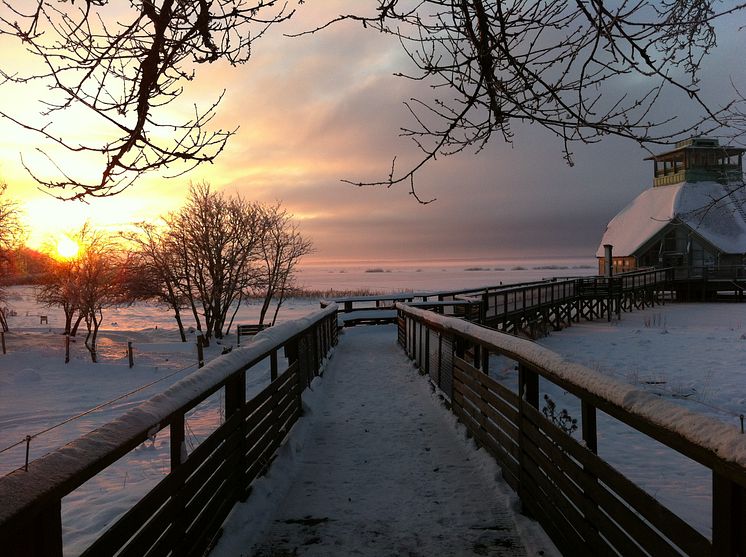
point(378, 467)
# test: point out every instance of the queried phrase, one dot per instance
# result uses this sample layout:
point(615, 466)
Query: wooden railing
point(584, 504)
point(507, 307)
point(185, 510)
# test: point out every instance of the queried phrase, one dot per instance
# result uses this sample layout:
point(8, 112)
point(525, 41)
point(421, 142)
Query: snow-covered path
point(381, 471)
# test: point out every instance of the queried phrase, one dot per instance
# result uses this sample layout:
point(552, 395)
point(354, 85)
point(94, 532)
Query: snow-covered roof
point(715, 211)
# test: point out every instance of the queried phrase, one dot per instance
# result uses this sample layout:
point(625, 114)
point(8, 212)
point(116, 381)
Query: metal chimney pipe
point(607, 259)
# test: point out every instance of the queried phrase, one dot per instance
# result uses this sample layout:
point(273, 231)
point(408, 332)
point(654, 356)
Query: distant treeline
point(24, 266)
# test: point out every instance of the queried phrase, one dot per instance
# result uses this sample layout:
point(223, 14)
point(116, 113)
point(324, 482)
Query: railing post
point(177, 441)
point(588, 419)
point(728, 515)
point(427, 351)
point(273, 365)
point(40, 537)
point(235, 394)
point(528, 392)
point(130, 356)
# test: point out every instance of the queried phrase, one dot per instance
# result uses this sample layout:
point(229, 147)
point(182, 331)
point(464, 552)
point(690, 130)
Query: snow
point(688, 354)
point(377, 466)
point(691, 202)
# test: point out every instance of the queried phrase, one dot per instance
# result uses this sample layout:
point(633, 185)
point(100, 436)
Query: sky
point(318, 109)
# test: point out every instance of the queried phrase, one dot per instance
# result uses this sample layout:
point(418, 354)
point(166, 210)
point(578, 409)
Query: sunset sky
point(317, 109)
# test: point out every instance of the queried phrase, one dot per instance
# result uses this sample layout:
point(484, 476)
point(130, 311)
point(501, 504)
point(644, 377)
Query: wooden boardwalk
point(383, 471)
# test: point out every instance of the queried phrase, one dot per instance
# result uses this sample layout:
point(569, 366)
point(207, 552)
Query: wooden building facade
point(694, 216)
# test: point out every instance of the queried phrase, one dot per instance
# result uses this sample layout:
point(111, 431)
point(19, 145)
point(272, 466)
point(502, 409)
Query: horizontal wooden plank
point(563, 507)
point(157, 529)
point(565, 537)
point(500, 453)
point(210, 490)
point(259, 423)
point(486, 391)
point(570, 480)
point(504, 433)
point(505, 423)
point(206, 524)
point(664, 520)
point(143, 510)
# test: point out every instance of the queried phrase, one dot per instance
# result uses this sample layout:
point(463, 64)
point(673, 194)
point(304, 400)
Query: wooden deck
point(580, 501)
point(382, 472)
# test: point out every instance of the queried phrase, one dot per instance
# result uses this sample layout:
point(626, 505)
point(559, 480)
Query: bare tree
point(98, 280)
point(565, 66)
point(11, 237)
point(156, 264)
point(554, 63)
point(280, 250)
point(119, 61)
point(59, 289)
point(214, 238)
point(86, 284)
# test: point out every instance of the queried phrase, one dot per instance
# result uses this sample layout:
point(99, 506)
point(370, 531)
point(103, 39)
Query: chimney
point(607, 259)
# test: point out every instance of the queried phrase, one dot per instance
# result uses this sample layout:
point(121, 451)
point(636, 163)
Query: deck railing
point(584, 504)
point(516, 307)
point(185, 510)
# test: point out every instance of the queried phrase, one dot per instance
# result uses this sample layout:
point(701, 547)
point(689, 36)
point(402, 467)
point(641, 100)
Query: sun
point(67, 248)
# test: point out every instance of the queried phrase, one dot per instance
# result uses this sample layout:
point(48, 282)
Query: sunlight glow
point(67, 248)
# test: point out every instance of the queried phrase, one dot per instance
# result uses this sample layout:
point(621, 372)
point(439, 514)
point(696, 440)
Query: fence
point(583, 503)
point(186, 509)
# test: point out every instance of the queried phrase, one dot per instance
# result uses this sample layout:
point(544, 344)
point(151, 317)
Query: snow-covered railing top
point(706, 440)
point(58, 473)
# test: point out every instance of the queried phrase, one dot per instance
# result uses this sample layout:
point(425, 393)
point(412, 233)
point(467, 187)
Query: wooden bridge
point(586, 506)
point(529, 309)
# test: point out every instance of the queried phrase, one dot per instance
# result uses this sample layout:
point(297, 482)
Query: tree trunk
point(92, 324)
point(177, 316)
point(74, 330)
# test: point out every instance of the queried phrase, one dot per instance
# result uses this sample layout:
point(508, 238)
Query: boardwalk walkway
point(382, 471)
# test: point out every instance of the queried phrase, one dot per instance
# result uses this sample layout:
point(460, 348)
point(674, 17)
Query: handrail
point(27, 494)
point(498, 418)
point(699, 437)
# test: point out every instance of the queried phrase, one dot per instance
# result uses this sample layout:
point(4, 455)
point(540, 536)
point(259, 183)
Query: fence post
point(200, 351)
point(728, 515)
point(129, 354)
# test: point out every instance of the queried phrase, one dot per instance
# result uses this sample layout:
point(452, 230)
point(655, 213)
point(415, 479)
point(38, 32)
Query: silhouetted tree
point(280, 249)
point(581, 70)
point(11, 237)
point(125, 63)
point(214, 239)
point(554, 63)
point(86, 284)
point(155, 265)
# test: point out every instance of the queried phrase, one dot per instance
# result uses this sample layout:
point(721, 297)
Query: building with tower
point(693, 218)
